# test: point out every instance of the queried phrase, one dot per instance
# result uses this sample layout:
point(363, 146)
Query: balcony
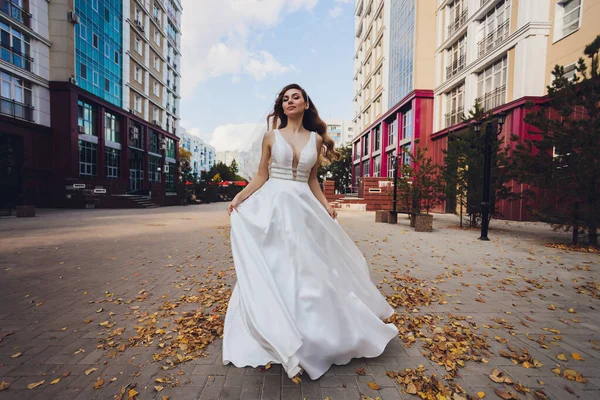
point(493, 99)
point(458, 22)
point(483, 2)
point(15, 57)
point(494, 39)
point(16, 109)
point(15, 12)
point(455, 66)
point(454, 117)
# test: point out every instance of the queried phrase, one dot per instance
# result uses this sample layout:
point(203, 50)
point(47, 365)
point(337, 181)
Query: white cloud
point(344, 1)
point(216, 35)
point(232, 137)
point(335, 12)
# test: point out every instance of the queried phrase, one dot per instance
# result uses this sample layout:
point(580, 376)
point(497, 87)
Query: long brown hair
point(311, 121)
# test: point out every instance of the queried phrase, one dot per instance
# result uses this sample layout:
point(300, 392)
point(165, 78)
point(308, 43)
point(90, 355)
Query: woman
point(303, 297)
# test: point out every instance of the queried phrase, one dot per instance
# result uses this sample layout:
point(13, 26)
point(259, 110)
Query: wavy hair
point(311, 121)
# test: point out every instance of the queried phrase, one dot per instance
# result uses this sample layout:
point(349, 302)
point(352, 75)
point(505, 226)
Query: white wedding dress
point(303, 298)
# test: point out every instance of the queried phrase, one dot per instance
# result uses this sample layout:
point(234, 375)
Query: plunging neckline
point(292, 148)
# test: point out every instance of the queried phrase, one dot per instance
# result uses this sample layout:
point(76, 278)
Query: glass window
point(156, 88)
point(377, 138)
point(112, 128)
point(366, 168)
point(170, 177)
point(85, 118)
point(14, 46)
point(491, 85)
point(112, 163)
point(137, 74)
point(406, 155)
point(83, 70)
point(170, 148)
point(138, 45)
point(455, 105)
point(401, 52)
point(408, 125)
point(392, 133)
point(376, 165)
point(571, 16)
point(366, 143)
point(154, 163)
point(95, 40)
point(87, 158)
point(137, 103)
point(153, 142)
point(116, 57)
point(390, 164)
point(494, 27)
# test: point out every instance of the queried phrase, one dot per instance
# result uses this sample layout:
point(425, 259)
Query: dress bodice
point(282, 159)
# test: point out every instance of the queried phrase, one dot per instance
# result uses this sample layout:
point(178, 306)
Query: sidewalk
point(110, 298)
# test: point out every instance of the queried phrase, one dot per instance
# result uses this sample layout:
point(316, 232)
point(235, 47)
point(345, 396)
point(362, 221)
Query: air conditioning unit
point(72, 80)
point(139, 24)
point(74, 18)
point(166, 168)
point(156, 122)
point(132, 111)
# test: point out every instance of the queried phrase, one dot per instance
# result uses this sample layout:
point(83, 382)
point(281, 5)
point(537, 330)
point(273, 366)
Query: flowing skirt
point(303, 298)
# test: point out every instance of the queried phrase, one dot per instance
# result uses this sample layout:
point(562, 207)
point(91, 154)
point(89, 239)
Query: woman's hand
point(332, 213)
point(234, 205)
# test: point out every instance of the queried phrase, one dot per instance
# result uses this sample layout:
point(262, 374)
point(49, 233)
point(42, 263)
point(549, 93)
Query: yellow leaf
point(268, 366)
point(89, 371)
point(552, 307)
point(572, 310)
point(411, 388)
point(132, 393)
point(16, 355)
point(577, 357)
point(556, 371)
point(158, 388)
point(562, 357)
point(527, 364)
point(165, 398)
point(374, 386)
point(35, 384)
point(4, 385)
point(54, 382)
point(99, 383)
point(105, 323)
point(481, 395)
point(297, 380)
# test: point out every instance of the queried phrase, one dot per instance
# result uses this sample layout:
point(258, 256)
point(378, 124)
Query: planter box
point(25, 211)
point(423, 223)
point(381, 216)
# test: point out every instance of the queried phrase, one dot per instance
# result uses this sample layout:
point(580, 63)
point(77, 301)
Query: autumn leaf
point(132, 393)
point(297, 380)
point(556, 371)
point(411, 388)
point(16, 355)
point(481, 395)
point(35, 384)
point(4, 385)
point(98, 384)
point(552, 307)
point(374, 386)
point(159, 388)
point(562, 357)
point(572, 311)
point(89, 371)
point(361, 371)
point(577, 357)
point(506, 394)
point(54, 382)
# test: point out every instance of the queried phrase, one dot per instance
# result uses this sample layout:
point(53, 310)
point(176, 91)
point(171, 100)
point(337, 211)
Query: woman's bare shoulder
point(269, 136)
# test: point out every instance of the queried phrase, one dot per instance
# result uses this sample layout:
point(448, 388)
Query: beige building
point(499, 51)
point(152, 52)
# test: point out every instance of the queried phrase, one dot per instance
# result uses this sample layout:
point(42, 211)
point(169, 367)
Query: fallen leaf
point(361, 371)
point(89, 371)
point(16, 355)
point(4, 385)
point(577, 357)
point(159, 388)
point(572, 311)
point(411, 388)
point(374, 386)
point(552, 307)
point(506, 394)
point(54, 382)
point(297, 380)
point(562, 357)
point(481, 395)
point(35, 384)
point(98, 384)
point(132, 393)
point(556, 371)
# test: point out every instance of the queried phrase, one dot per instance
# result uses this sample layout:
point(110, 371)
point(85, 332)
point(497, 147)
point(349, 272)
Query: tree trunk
point(592, 223)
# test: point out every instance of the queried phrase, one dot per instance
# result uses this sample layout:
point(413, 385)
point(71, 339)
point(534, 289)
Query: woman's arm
point(261, 176)
point(313, 182)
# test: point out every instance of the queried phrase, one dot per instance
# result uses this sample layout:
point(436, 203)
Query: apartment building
point(203, 157)
point(114, 90)
point(342, 132)
point(500, 53)
point(393, 81)
point(24, 101)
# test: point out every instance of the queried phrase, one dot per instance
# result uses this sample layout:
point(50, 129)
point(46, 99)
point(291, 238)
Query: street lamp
point(395, 161)
point(493, 127)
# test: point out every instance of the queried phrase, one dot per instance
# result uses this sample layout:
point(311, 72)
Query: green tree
point(226, 172)
point(341, 170)
point(185, 167)
point(562, 158)
point(234, 167)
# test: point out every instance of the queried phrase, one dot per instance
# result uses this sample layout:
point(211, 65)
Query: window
point(570, 71)
point(137, 103)
point(568, 17)
point(116, 57)
point(154, 163)
point(156, 115)
point(111, 128)
point(378, 106)
point(392, 133)
point(106, 85)
point(156, 88)
point(406, 155)
point(138, 45)
point(14, 46)
point(156, 63)
point(85, 118)
point(457, 57)
point(170, 177)
point(407, 128)
point(83, 70)
point(457, 16)
point(95, 40)
point(137, 74)
point(153, 142)
point(95, 78)
point(366, 168)
point(87, 158)
point(156, 36)
point(16, 97)
point(138, 15)
point(494, 27)
point(170, 148)
point(112, 163)
point(455, 105)
point(95, 5)
point(106, 49)
point(376, 165)
point(378, 79)
point(390, 164)
point(377, 138)
point(491, 85)
point(106, 14)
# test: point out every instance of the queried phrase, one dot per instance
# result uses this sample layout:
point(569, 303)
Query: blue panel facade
point(98, 48)
point(402, 51)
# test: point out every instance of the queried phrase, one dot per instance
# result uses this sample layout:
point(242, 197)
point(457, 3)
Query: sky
point(238, 54)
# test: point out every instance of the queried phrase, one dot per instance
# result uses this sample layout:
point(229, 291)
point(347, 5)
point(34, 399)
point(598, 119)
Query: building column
point(384, 144)
point(100, 156)
point(371, 149)
point(125, 153)
point(146, 136)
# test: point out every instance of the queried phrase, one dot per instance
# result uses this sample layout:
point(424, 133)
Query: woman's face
point(293, 103)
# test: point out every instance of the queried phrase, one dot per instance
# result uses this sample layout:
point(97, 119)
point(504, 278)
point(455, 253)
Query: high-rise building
point(394, 80)
point(114, 89)
point(342, 132)
point(500, 54)
point(203, 155)
point(24, 101)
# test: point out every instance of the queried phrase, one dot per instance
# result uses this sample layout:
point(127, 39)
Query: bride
point(303, 296)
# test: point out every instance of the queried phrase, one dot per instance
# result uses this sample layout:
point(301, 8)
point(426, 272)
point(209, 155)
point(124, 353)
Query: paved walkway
point(107, 298)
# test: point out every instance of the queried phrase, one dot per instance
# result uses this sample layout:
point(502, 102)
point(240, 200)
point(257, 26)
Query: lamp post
point(493, 127)
point(395, 161)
